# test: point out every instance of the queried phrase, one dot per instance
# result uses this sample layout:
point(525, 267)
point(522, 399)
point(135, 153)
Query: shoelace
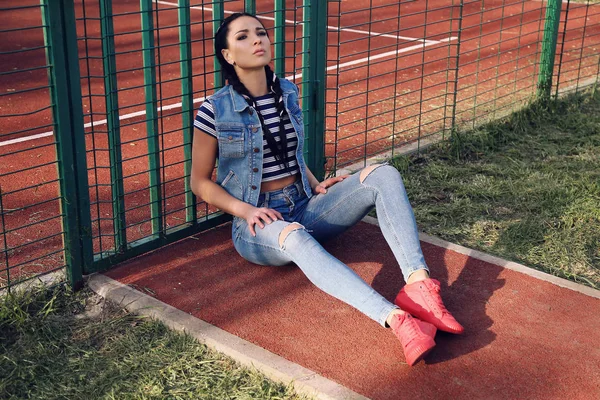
point(410, 328)
point(436, 305)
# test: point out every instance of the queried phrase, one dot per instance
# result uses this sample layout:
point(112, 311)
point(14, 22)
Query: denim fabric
point(240, 139)
point(326, 215)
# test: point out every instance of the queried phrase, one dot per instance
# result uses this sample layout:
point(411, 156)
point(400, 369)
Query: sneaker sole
point(423, 354)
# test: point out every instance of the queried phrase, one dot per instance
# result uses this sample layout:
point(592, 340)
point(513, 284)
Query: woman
point(281, 212)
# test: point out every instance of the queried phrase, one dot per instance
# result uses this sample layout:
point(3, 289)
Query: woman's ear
point(227, 56)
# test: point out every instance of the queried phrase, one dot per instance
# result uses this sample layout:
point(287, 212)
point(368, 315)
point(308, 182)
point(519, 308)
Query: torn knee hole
point(366, 171)
point(294, 226)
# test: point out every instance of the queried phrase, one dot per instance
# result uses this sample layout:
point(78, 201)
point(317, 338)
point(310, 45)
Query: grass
point(525, 188)
point(57, 344)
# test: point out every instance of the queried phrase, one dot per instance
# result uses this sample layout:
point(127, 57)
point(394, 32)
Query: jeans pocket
point(239, 227)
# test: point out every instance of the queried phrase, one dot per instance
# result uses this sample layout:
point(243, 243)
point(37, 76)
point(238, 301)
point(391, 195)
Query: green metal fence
point(31, 189)
point(430, 67)
point(97, 102)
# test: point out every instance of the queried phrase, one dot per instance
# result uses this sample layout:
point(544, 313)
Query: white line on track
point(389, 53)
point(333, 28)
point(378, 56)
point(97, 123)
point(424, 43)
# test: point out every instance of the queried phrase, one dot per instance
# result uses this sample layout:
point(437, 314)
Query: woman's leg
point(282, 242)
point(347, 202)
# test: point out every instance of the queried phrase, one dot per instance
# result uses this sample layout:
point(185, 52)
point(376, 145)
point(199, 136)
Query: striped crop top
point(272, 169)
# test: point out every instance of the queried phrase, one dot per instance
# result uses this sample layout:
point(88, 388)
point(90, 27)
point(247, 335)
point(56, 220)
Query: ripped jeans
point(309, 222)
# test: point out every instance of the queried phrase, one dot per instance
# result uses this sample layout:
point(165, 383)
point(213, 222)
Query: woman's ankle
point(418, 275)
point(393, 313)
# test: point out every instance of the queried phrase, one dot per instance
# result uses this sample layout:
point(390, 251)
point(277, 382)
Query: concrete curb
point(275, 367)
point(588, 291)
point(410, 148)
point(44, 280)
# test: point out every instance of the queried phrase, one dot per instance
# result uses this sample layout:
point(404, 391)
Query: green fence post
point(314, 56)
point(114, 129)
point(187, 103)
point(218, 16)
point(250, 6)
point(456, 73)
point(60, 36)
point(149, 60)
point(279, 37)
point(553, 9)
point(4, 244)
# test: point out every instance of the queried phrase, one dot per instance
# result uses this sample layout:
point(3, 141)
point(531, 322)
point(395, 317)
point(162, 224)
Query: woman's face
point(249, 45)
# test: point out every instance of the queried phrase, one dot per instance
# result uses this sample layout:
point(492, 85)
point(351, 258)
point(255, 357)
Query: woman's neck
point(254, 80)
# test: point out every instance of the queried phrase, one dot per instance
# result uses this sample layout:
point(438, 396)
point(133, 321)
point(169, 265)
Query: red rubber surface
point(524, 338)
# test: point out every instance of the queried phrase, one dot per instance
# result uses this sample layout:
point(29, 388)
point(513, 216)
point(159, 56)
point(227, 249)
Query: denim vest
point(240, 137)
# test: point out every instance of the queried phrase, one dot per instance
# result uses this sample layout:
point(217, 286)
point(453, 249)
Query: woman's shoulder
point(218, 94)
point(221, 98)
point(288, 85)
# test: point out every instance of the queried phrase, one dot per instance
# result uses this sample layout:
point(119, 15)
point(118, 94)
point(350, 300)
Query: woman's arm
point(204, 154)
point(321, 187)
point(314, 182)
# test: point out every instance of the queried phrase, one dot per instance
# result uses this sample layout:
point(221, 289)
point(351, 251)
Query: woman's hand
point(260, 216)
point(322, 187)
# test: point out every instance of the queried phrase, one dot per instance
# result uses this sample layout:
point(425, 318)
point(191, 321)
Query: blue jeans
point(309, 222)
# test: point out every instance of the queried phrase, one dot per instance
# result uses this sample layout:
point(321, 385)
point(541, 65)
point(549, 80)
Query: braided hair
point(279, 150)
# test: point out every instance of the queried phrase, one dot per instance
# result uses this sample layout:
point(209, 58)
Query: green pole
point(456, 74)
point(551, 24)
point(5, 243)
point(149, 57)
point(187, 103)
point(314, 55)
point(218, 16)
point(250, 6)
point(279, 37)
point(111, 98)
point(60, 36)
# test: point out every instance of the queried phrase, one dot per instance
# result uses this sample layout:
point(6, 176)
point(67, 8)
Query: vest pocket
point(231, 142)
point(232, 185)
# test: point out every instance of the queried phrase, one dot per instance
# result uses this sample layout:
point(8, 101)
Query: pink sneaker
point(422, 299)
point(416, 336)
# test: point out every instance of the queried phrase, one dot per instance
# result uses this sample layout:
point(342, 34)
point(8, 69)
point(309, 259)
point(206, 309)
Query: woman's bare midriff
point(277, 184)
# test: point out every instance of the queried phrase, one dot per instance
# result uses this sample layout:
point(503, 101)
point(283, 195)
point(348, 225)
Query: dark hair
point(280, 152)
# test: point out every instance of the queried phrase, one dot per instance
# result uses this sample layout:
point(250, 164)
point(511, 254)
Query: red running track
point(525, 338)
